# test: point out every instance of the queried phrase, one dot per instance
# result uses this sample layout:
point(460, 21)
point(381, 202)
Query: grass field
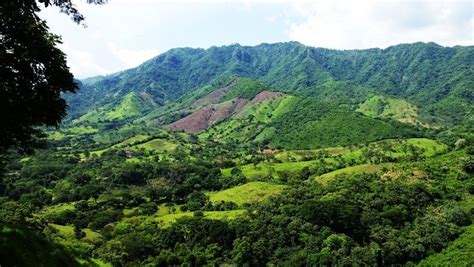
point(364, 168)
point(166, 210)
point(157, 145)
point(431, 147)
point(71, 132)
point(299, 155)
point(124, 143)
point(82, 130)
point(167, 220)
point(395, 148)
point(247, 193)
point(67, 232)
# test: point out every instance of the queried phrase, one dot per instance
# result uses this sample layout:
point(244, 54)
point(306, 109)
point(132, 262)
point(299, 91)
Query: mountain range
point(288, 94)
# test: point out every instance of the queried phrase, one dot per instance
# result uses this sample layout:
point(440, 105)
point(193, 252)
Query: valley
point(277, 154)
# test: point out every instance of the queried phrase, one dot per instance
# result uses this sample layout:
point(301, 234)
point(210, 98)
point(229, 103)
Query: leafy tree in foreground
point(33, 72)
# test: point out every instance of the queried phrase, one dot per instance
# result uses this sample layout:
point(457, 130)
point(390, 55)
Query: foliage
point(312, 124)
point(247, 193)
point(293, 179)
point(245, 88)
point(34, 74)
point(21, 247)
point(435, 79)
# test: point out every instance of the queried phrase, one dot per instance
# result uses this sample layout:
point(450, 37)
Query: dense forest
point(278, 154)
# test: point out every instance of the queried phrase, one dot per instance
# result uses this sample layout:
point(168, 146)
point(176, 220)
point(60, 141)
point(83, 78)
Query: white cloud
point(365, 24)
point(131, 57)
point(83, 63)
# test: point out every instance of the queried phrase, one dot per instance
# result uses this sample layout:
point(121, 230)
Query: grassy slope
point(167, 220)
point(246, 193)
point(55, 210)
point(158, 145)
point(67, 232)
point(250, 121)
point(358, 169)
point(131, 105)
point(387, 107)
point(299, 155)
point(124, 143)
point(245, 88)
point(71, 132)
point(167, 215)
point(430, 148)
point(140, 142)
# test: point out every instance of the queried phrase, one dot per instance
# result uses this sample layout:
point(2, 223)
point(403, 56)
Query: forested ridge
point(432, 76)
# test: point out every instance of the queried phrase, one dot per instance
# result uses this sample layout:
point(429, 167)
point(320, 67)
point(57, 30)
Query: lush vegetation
point(436, 79)
point(388, 202)
point(361, 161)
point(34, 74)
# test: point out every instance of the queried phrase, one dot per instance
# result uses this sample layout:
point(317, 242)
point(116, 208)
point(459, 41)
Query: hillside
point(435, 78)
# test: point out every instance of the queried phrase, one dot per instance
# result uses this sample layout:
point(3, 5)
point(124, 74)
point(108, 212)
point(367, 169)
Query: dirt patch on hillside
point(266, 95)
point(194, 122)
point(207, 116)
point(210, 113)
point(212, 98)
point(226, 109)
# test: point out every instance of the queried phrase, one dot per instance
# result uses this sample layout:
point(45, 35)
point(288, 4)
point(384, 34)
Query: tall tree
point(33, 72)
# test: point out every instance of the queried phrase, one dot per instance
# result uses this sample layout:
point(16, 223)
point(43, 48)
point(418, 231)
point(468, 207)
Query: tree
point(469, 166)
point(242, 252)
point(67, 7)
point(196, 201)
point(78, 233)
point(33, 72)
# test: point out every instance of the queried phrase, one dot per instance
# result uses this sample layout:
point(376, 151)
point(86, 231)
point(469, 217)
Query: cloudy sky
point(124, 33)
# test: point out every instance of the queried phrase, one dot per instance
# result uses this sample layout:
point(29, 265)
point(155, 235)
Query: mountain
point(408, 90)
point(438, 80)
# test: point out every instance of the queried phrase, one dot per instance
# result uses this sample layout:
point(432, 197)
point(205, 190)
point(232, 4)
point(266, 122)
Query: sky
point(124, 33)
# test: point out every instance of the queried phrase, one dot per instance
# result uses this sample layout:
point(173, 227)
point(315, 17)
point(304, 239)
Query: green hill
point(248, 193)
point(130, 106)
point(383, 107)
point(432, 76)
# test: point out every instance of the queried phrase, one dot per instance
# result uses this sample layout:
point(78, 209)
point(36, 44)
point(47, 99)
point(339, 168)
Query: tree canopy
point(33, 72)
